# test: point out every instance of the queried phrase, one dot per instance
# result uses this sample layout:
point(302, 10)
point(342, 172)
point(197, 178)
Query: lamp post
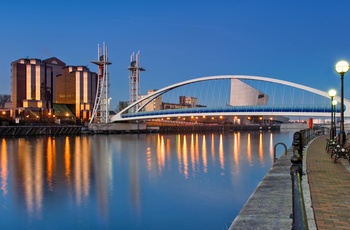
point(334, 106)
point(332, 94)
point(342, 67)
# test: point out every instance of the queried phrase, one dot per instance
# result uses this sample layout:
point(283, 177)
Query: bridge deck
point(226, 109)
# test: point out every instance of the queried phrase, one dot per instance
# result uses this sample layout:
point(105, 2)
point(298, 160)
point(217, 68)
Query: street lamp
point(342, 67)
point(334, 105)
point(332, 94)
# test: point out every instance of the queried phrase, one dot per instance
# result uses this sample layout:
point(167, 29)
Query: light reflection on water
point(152, 181)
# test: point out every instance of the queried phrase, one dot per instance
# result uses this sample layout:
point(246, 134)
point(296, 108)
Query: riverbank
point(142, 127)
point(324, 186)
point(121, 128)
point(270, 206)
point(32, 130)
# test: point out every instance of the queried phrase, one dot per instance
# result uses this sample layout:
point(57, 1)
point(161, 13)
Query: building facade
point(32, 82)
point(243, 94)
point(76, 88)
point(156, 103)
point(40, 88)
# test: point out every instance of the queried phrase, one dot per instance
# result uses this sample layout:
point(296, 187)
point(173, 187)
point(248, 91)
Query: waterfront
point(139, 181)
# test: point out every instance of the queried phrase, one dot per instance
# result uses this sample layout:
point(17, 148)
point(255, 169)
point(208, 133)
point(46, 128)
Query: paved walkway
point(329, 186)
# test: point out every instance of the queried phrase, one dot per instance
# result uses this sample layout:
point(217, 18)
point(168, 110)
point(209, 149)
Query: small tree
point(3, 99)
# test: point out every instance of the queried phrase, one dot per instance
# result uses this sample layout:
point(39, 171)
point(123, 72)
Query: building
point(75, 92)
point(243, 94)
point(41, 89)
point(184, 102)
point(156, 103)
point(190, 102)
point(32, 83)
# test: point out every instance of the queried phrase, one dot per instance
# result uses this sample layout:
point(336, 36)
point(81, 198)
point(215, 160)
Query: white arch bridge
point(213, 94)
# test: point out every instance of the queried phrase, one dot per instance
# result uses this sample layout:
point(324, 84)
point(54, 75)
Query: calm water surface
point(147, 181)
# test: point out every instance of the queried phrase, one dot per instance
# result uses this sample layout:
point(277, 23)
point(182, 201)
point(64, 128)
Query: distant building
point(243, 94)
point(188, 101)
point(122, 105)
point(184, 102)
point(156, 103)
point(76, 88)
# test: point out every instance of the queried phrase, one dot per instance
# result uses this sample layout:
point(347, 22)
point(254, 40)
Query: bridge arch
point(161, 91)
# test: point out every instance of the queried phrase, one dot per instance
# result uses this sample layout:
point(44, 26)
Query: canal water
point(136, 181)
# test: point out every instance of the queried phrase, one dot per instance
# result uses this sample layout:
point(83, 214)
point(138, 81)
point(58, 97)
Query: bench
point(319, 132)
point(330, 144)
point(339, 151)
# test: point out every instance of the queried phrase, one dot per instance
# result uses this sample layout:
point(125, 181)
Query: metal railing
point(275, 150)
point(300, 140)
point(299, 212)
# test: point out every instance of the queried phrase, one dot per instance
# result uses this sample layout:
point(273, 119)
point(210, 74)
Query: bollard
point(298, 143)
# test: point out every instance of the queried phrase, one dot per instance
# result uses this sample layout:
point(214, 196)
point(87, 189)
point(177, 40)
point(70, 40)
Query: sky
point(297, 41)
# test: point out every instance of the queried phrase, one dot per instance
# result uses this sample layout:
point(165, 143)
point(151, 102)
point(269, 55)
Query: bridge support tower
point(100, 113)
point(135, 70)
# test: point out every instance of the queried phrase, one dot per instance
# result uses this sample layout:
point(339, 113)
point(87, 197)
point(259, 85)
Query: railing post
point(298, 142)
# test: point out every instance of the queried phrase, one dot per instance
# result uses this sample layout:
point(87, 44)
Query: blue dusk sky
point(298, 41)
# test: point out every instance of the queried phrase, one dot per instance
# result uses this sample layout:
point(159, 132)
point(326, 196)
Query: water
point(146, 181)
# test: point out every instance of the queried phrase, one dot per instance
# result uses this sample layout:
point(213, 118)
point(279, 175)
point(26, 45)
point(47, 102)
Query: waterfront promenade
point(326, 189)
point(329, 187)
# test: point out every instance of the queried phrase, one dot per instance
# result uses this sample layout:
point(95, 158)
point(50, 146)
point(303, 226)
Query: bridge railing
point(223, 109)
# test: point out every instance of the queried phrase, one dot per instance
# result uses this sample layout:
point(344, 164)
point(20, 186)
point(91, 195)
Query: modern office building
point(43, 88)
point(76, 88)
point(32, 84)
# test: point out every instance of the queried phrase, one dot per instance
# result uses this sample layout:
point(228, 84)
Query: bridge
point(232, 95)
